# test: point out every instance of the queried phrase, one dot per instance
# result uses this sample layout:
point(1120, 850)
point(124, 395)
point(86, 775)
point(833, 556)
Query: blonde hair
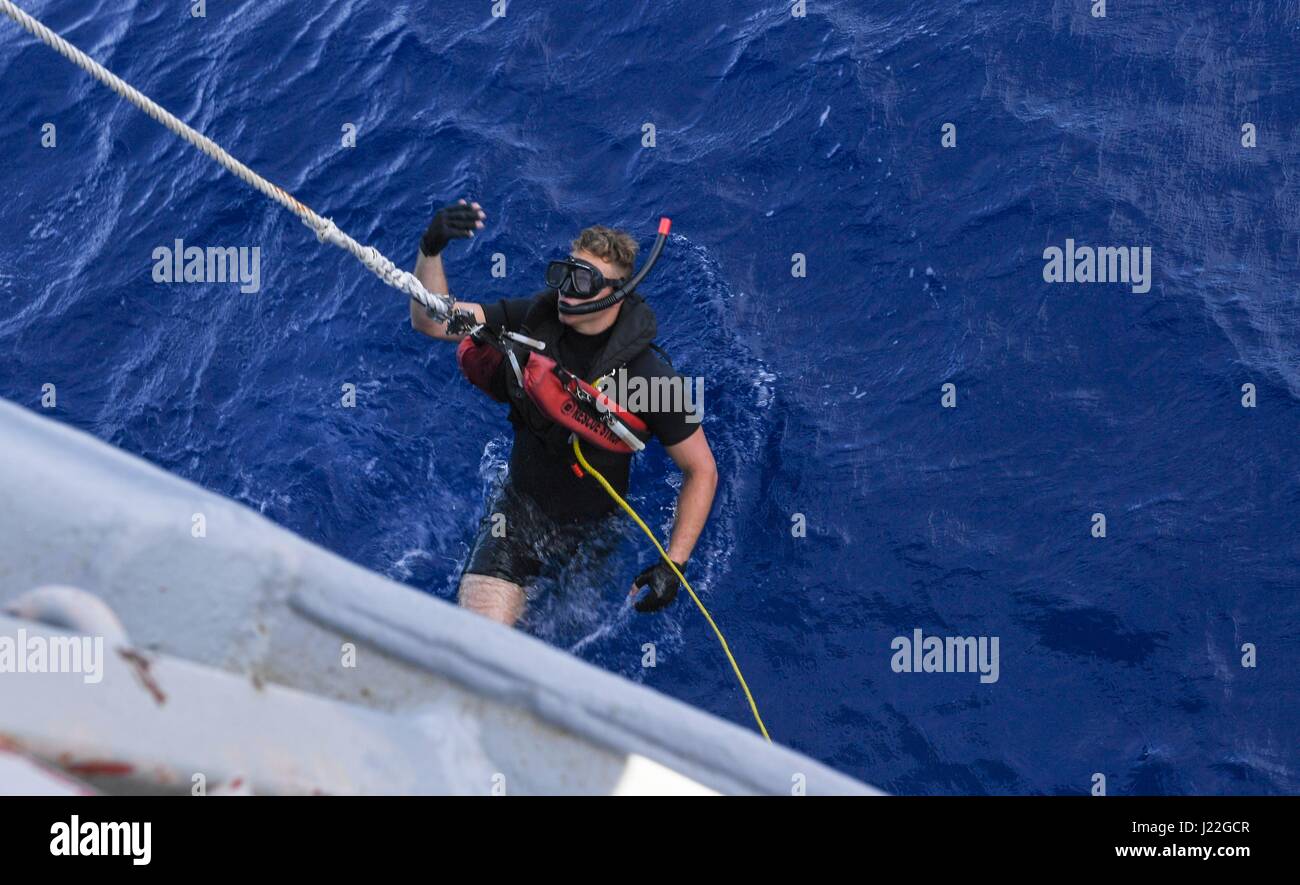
point(615, 246)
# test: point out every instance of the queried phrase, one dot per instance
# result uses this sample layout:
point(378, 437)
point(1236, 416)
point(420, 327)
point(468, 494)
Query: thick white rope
point(326, 230)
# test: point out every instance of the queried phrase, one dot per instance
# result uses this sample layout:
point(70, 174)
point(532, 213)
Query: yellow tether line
point(753, 707)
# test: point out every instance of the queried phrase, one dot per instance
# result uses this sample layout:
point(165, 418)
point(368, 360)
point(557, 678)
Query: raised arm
point(458, 221)
point(429, 272)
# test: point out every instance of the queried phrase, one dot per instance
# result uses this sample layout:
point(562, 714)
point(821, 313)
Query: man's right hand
point(455, 222)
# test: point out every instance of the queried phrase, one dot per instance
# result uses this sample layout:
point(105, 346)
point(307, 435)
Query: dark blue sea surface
point(775, 135)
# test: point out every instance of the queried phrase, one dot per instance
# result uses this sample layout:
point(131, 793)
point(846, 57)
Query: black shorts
point(519, 543)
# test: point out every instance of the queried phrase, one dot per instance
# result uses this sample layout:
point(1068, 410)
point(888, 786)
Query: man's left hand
point(661, 586)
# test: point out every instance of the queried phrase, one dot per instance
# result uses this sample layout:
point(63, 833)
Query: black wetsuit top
point(545, 475)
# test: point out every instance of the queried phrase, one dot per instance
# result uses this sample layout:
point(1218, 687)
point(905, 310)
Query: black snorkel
point(621, 292)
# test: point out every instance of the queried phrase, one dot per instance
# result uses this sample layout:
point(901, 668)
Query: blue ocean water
point(775, 135)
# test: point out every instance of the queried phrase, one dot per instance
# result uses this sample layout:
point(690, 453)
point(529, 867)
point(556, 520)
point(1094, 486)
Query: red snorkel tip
point(665, 225)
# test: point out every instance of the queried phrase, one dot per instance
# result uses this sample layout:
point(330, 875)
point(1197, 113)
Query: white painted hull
point(244, 630)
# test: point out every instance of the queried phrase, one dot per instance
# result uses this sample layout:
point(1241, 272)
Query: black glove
point(462, 321)
point(455, 222)
point(663, 586)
